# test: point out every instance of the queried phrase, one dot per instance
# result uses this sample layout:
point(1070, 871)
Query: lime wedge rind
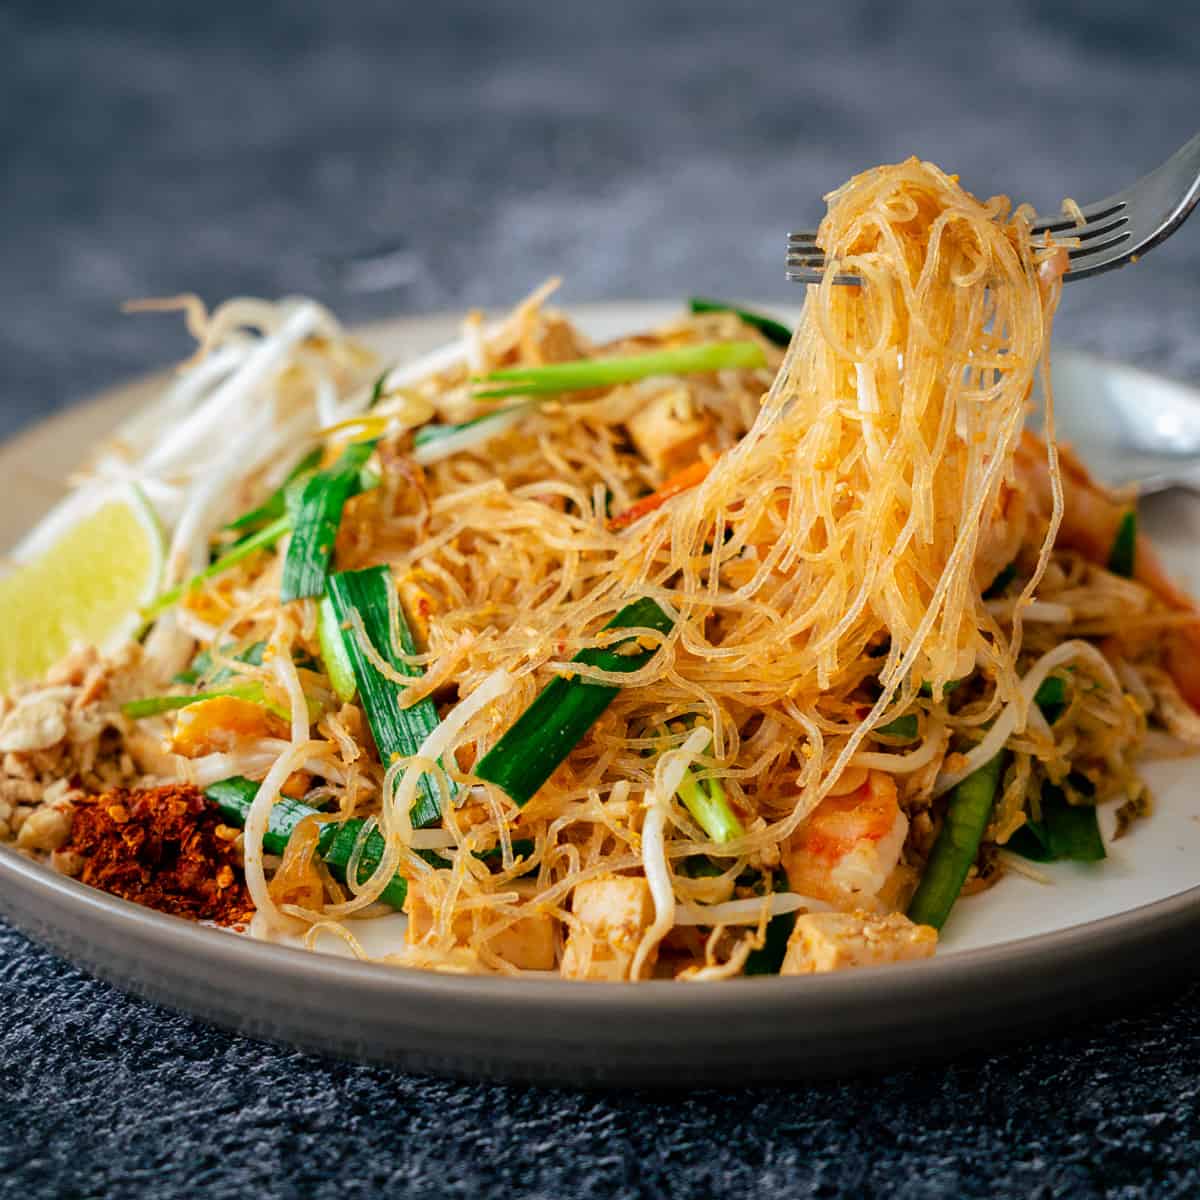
point(82, 575)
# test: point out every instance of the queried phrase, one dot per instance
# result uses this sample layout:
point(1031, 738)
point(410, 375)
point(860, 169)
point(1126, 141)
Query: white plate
point(1011, 958)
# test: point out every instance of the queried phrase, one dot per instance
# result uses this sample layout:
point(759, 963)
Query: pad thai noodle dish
point(719, 649)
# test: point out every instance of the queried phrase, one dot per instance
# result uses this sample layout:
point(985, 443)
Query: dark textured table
point(640, 150)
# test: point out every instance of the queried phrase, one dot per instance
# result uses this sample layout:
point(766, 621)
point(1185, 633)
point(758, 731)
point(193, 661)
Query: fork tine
point(803, 237)
point(1060, 222)
point(796, 275)
point(1094, 229)
point(813, 257)
point(1080, 255)
point(811, 275)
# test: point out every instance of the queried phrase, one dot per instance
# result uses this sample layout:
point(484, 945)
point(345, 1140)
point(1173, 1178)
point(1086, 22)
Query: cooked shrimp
point(849, 847)
point(1091, 518)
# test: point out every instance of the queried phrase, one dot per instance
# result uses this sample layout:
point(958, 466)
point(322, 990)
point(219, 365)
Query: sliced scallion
point(565, 709)
point(1051, 697)
point(997, 587)
point(276, 505)
point(334, 655)
point(706, 801)
point(233, 798)
point(264, 539)
point(901, 727)
point(768, 959)
point(153, 706)
point(398, 731)
point(203, 663)
point(1122, 559)
point(967, 816)
point(318, 515)
point(1066, 831)
point(772, 330)
point(432, 443)
point(586, 374)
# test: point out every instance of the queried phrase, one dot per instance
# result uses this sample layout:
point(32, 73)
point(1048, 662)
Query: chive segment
point(318, 515)
point(586, 374)
point(774, 331)
point(1123, 557)
point(233, 798)
point(276, 504)
point(957, 844)
point(564, 710)
point(1051, 697)
point(707, 803)
point(334, 656)
point(768, 959)
point(1066, 831)
point(902, 727)
point(153, 706)
point(997, 587)
point(200, 666)
point(264, 539)
point(398, 732)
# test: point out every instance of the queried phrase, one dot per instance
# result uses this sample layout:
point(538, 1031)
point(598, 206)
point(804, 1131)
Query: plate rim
point(53, 909)
point(1142, 919)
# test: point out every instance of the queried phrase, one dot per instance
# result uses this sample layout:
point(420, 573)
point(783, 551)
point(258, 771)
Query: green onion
point(1051, 697)
point(957, 844)
point(431, 443)
point(377, 390)
point(608, 372)
point(564, 710)
point(262, 540)
point(997, 586)
point(769, 958)
point(316, 521)
point(1066, 831)
point(521, 848)
point(276, 505)
point(902, 727)
point(203, 663)
point(1122, 558)
point(334, 655)
point(398, 731)
point(706, 802)
point(947, 687)
point(153, 706)
point(772, 330)
point(233, 798)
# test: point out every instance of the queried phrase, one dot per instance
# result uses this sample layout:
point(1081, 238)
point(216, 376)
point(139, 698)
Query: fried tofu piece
point(527, 943)
point(833, 941)
point(613, 912)
point(668, 433)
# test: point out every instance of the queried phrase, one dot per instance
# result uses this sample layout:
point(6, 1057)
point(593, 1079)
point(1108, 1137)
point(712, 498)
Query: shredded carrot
point(681, 481)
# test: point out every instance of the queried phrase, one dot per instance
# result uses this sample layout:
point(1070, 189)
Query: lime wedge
point(81, 577)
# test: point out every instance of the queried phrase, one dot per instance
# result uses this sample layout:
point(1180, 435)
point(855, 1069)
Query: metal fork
point(1115, 231)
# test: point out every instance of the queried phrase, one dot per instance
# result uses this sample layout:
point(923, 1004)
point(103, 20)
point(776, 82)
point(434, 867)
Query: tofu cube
point(833, 941)
point(613, 912)
point(668, 433)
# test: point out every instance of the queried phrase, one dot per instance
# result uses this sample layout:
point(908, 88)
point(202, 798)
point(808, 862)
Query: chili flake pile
point(163, 847)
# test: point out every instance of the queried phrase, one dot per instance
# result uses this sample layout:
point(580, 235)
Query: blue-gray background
point(640, 150)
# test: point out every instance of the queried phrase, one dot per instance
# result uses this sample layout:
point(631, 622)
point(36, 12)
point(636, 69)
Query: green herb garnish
point(586, 374)
point(772, 330)
point(399, 732)
point(565, 709)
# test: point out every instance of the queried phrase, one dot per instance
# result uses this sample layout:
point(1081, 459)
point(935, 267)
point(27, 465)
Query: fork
point(1115, 231)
